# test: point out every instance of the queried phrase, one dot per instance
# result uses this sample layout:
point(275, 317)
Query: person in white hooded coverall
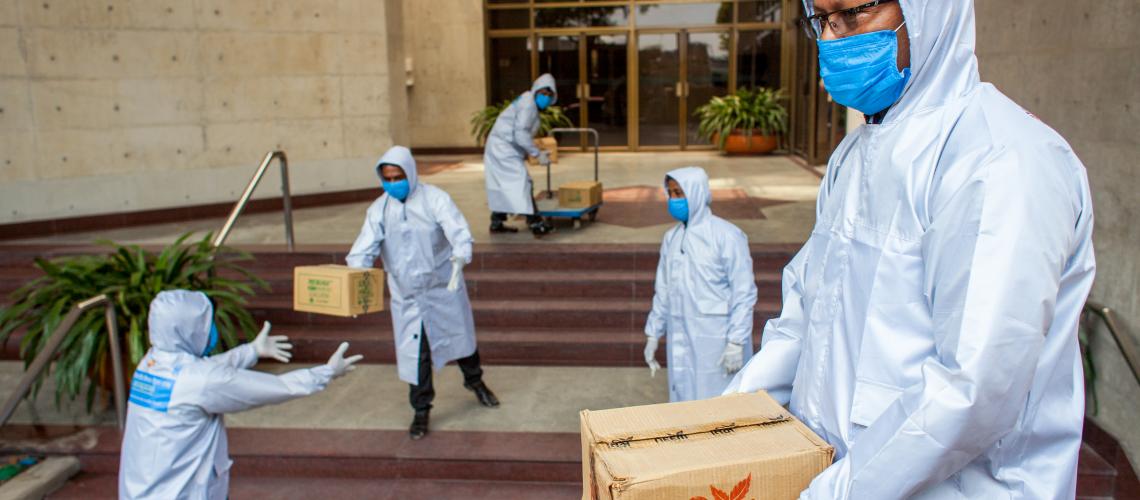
point(509, 186)
point(704, 294)
point(174, 445)
point(424, 242)
point(929, 324)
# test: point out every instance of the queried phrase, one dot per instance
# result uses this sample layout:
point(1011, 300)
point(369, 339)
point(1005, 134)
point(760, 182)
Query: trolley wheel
point(593, 215)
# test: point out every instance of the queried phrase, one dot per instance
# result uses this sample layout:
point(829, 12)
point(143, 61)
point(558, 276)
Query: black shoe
point(419, 427)
point(541, 228)
point(499, 227)
point(483, 394)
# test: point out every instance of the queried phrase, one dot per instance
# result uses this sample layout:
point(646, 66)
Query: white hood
point(545, 81)
point(695, 183)
point(179, 321)
point(942, 62)
point(401, 157)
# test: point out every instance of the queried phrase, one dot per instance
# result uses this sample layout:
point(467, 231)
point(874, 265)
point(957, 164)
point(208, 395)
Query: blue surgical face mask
point(543, 101)
point(861, 71)
point(213, 342)
point(399, 189)
point(679, 209)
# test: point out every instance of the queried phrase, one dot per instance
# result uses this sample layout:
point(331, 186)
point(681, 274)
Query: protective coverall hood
point(545, 81)
point(943, 66)
point(179, 321)
point(401, 157)
point(695, 183)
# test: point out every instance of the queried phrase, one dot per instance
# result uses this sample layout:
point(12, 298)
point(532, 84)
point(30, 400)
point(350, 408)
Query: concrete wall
point(1077, 67)
point(448, 70)
point(136, 104)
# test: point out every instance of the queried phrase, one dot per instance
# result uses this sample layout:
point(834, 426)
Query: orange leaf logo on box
point(739, 492)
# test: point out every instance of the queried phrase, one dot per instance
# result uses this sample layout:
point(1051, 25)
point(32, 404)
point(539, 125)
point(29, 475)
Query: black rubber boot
point(419, 427)
point(499, 227)
point(541, 228)
point(483, 394)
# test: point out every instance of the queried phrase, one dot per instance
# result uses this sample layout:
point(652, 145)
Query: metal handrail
point(286, 200)
point(43, 359)
point(1125, 343)
point(597, 142)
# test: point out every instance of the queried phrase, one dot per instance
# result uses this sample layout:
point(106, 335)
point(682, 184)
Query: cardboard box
point(550, 145)
point(739, 446)
point(338, 290)
point(580, 194)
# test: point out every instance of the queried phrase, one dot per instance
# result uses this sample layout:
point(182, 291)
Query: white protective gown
point(929, 324)
point(417, 239)
point(511, 140)
point(174, 445)
point(704, 294)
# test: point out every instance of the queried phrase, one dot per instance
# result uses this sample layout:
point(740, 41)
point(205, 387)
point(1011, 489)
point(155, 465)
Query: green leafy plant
point(748, 111)
point(131, 277)
point(484, 120)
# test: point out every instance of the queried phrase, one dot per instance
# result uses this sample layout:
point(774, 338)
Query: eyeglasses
point(841, 22)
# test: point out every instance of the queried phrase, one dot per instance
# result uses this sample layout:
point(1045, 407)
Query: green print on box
point(337, 290)
point(364, 292)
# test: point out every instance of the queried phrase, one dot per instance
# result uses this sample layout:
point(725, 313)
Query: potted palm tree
point(484, 120)
point(131, 276)
point(750, 121)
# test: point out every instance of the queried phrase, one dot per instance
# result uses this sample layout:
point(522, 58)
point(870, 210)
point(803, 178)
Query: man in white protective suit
point(174, 445)
point(510, 189)
point(929, 324)
point(424, 242)
point(704, 293)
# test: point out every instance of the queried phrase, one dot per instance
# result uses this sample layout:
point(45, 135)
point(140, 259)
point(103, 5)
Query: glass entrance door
point(592, 85)
point(606, 87)
point(659, 89)
point(706, 76)
point(678, 71)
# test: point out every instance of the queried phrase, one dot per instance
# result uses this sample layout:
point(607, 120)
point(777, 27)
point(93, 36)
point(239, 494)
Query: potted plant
point(131, 277)
point(749, 121)
point(484, 120)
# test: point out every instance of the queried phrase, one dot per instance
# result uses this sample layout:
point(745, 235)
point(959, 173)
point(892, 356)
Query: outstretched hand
point(275, 346)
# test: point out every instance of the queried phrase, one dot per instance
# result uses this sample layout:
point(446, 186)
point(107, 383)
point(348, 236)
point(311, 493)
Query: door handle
point(578, 91)
point(587, 90)
point(686, 89)
point(680, 89)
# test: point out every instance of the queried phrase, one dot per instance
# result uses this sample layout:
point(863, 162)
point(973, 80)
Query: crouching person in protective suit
point(174, 445)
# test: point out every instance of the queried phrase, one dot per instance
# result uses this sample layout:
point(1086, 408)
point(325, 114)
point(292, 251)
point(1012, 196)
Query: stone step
point(302, 463)
point(105, 487)
point(487, 257)
point(576, 314)
point(494, 285)
point(531, 457)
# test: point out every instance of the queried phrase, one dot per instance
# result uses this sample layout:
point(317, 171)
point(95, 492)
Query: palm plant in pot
point(749, 121)
point(484, 120)
point(131, 276)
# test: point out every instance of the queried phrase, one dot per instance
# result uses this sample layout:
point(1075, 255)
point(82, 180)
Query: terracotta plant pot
point(738, 144)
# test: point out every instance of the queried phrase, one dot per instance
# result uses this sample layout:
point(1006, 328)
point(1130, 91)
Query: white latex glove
point(733, 358)
point(341, 365)
point(456, 267)
point(544, 157)
point(276, 346)
point(651, 355)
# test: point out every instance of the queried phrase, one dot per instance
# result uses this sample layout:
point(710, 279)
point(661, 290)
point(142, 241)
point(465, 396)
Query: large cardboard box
point(338, 290)
point(548, 144)
point(582, 194)
point(743, 446)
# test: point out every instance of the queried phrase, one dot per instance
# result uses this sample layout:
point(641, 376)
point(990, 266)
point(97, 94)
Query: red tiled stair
point(557, 305)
